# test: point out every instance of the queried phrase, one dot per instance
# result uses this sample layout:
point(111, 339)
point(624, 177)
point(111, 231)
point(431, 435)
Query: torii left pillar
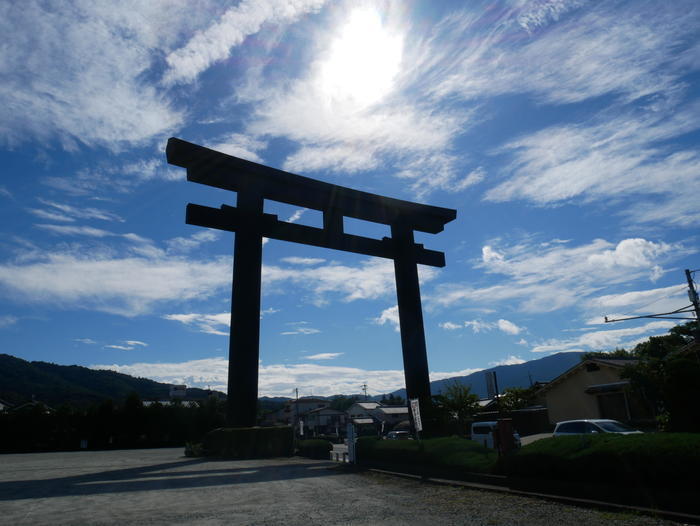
point(244, 343)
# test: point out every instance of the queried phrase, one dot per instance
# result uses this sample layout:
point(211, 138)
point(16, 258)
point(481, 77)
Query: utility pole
point(364, 388)
point(296, 408)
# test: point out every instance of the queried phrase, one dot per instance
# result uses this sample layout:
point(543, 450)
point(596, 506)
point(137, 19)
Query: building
point(294, 409)
point(325, 421)
point(593, 389)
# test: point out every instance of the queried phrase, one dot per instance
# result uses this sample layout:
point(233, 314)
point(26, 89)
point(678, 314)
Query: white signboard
point(415, 409)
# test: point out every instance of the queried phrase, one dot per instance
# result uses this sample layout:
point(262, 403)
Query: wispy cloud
point(7, 320)
point(67, 213)
point(86, 341)
point(206, 323)
point(550, 276)
point(215, 42)
point(78, 75)
point(371, 279)
point(324, 356)
point(563, 163)
point(120, 285)
point(300, 328)
point(482, 326)
point(605, 340)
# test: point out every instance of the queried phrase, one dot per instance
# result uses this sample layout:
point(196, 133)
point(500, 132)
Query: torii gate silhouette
point(253, 183)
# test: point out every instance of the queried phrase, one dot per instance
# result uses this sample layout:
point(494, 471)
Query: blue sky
point(564, 133)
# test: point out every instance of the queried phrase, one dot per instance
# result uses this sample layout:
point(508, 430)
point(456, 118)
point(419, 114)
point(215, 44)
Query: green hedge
point(315, 448)
point(447, 456)
point(249, 442)
point(664, 460)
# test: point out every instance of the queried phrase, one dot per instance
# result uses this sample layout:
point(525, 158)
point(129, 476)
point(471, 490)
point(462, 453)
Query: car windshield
point(614, 427)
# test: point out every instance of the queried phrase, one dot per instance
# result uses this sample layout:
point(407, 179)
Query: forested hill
point(54, 385)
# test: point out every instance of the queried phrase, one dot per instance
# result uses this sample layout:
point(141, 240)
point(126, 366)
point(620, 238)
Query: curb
point(589, 503)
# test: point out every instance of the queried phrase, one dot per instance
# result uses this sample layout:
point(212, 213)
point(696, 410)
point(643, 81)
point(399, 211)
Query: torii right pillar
point(415, 358)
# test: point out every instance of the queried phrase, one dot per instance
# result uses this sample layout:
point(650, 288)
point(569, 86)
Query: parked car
point(398, 435)
point(482, 432)
point(584, 427)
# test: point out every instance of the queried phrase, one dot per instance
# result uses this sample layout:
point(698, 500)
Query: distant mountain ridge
point(516, 375)
point(21, 380)
point(52, 384)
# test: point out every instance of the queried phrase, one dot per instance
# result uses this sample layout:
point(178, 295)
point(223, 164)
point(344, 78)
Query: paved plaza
point(161, 486)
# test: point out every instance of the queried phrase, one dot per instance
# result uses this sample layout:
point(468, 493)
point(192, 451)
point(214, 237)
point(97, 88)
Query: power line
point(694, 306)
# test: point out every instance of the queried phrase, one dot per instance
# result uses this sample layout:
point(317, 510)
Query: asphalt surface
point(161, 486)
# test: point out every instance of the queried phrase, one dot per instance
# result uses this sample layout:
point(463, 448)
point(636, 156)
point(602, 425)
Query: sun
point(363, 61)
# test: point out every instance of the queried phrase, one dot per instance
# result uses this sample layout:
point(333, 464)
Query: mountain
point(517, 375)
point(20, 381)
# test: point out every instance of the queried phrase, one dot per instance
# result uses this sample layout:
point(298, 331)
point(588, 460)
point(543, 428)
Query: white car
point(598, 425)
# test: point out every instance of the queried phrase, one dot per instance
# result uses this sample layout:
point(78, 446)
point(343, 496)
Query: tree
point(517, 398)
point(668, 378)
point(457, 404)
point(342, 402)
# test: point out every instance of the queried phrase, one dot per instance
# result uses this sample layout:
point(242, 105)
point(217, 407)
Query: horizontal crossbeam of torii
point(253, 183)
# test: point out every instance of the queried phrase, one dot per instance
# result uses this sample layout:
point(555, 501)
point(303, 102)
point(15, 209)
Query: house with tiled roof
point(593, 389)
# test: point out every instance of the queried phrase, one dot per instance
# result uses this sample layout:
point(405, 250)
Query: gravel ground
point(162, 487)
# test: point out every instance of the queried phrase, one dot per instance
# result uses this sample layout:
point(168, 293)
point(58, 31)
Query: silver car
point(598, 425)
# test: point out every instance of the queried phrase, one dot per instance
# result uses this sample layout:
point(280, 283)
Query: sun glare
point(363, 61)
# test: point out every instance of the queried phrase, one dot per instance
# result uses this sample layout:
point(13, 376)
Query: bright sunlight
point(363, 62)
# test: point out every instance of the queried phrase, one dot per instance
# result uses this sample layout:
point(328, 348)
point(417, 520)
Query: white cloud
point(372, 278)
point(389, 316)
point(508, 327)
point(605, 340)
point(206, 323)
point(300, 327)
point(277, 379)
point(183, 245)
point(239, 145)
point(7, 320)
point(510, 360)
point(86, 341)
point(136, 343)
point(125, 285)
point(294, 260)
point(5, 192)
point(608, 49)
point(638, 302)
point(562, 163)
point(55, 210)
point(215, 42)
point(324, 356)
point(72, 230)
point(482, 326)
point(544, 278)
point(120, 347)
point(78, 74)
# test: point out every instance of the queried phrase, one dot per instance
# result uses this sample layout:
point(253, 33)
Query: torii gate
point(253, 183)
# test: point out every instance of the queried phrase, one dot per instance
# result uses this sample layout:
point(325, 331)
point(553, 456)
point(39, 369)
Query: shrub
point(249, 442)
point(449, 455)
point(650, 460)
point(315, 448)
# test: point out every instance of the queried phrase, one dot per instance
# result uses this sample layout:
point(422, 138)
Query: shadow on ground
point(171, 475)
